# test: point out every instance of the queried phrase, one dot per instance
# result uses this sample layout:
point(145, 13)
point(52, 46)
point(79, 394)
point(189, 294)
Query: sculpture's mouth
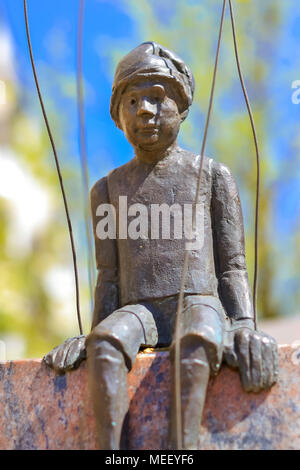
point(148, 129)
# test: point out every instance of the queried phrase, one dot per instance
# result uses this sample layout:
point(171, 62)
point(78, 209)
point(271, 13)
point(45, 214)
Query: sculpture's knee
point(193, 353)
point(105, 349)
point(106, 345)
point(126, 329)
point(203, 324)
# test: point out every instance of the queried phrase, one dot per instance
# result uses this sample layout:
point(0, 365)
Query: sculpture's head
point(152, 92)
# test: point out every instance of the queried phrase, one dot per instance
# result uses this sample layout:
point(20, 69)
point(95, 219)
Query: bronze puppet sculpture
point(139, 275)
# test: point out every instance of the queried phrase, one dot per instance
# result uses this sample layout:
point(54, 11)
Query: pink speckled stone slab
point(42, 410)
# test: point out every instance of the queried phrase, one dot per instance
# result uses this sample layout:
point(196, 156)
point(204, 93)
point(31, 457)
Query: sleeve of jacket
point(229, 246)
point(106, 298)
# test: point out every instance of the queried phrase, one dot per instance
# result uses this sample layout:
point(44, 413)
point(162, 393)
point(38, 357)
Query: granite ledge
point(43, 410)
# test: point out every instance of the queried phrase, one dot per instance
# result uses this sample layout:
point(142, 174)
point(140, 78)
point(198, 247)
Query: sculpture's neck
point(154, 156)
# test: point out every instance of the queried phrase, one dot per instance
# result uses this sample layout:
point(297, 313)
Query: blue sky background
point(53, 30)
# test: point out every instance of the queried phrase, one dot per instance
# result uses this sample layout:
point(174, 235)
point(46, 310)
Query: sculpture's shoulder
point(190, 162)
point(125, 179)
point(123, 171)
point(99, 193)
point(223, 179)
point(220, 170)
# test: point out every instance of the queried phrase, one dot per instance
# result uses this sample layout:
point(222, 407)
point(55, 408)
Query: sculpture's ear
point(118, 121)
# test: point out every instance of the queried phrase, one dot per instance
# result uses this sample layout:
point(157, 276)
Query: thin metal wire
point(186, 255)
point(257, 164)
point(82, 145)
point(57, 167)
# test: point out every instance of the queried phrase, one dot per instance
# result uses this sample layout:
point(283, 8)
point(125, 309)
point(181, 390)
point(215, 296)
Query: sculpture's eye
point(132, 101)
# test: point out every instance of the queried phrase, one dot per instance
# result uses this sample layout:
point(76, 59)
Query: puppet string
point(57, 167)
point(186, 255)
point(82, 145)
point(257, 164)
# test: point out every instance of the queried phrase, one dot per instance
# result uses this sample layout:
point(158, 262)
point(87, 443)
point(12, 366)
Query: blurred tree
point(28, 304)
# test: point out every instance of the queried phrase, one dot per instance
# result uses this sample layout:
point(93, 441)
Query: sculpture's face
point(149, 114)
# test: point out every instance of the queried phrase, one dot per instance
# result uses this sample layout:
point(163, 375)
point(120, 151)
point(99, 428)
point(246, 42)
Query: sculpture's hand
point(255, 354)
point(67, 355)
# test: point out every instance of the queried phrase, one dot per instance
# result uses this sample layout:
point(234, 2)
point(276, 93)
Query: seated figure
point(140, 260)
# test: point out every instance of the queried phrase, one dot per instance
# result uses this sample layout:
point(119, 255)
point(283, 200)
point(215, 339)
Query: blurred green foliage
point(28, 309)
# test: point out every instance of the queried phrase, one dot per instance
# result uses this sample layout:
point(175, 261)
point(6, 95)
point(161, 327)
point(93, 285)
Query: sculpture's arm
point(106, 298)
point(229, 247)
point(71, 353)
point(253, 352)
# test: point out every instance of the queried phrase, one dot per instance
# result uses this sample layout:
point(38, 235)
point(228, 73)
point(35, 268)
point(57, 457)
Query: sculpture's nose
point(146, 107)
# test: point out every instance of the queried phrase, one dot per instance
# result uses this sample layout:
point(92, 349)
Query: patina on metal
point(139, 278)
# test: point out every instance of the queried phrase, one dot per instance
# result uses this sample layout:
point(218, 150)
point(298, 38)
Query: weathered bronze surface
point(139, 272)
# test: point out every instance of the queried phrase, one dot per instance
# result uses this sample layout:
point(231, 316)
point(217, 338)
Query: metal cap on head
point(148, 60)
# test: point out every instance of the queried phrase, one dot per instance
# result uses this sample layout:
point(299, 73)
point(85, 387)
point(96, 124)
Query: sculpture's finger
point(60, 356)
point(267, 363)
point(242, 351)
point(229, 354)
point(230, 357)
point(275, 362)
point(256, 361)
point(48, 358)
point(76, 353)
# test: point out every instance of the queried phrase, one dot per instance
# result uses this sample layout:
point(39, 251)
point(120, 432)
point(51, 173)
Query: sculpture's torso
point(152, 268)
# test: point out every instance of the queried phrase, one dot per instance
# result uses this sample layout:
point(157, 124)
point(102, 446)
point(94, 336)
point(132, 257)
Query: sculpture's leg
point(107, 374)
point(201, 350)
point(194, 376)
point(112, 347)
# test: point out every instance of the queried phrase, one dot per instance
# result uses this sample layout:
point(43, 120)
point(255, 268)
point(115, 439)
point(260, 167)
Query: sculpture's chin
point(148, 139)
